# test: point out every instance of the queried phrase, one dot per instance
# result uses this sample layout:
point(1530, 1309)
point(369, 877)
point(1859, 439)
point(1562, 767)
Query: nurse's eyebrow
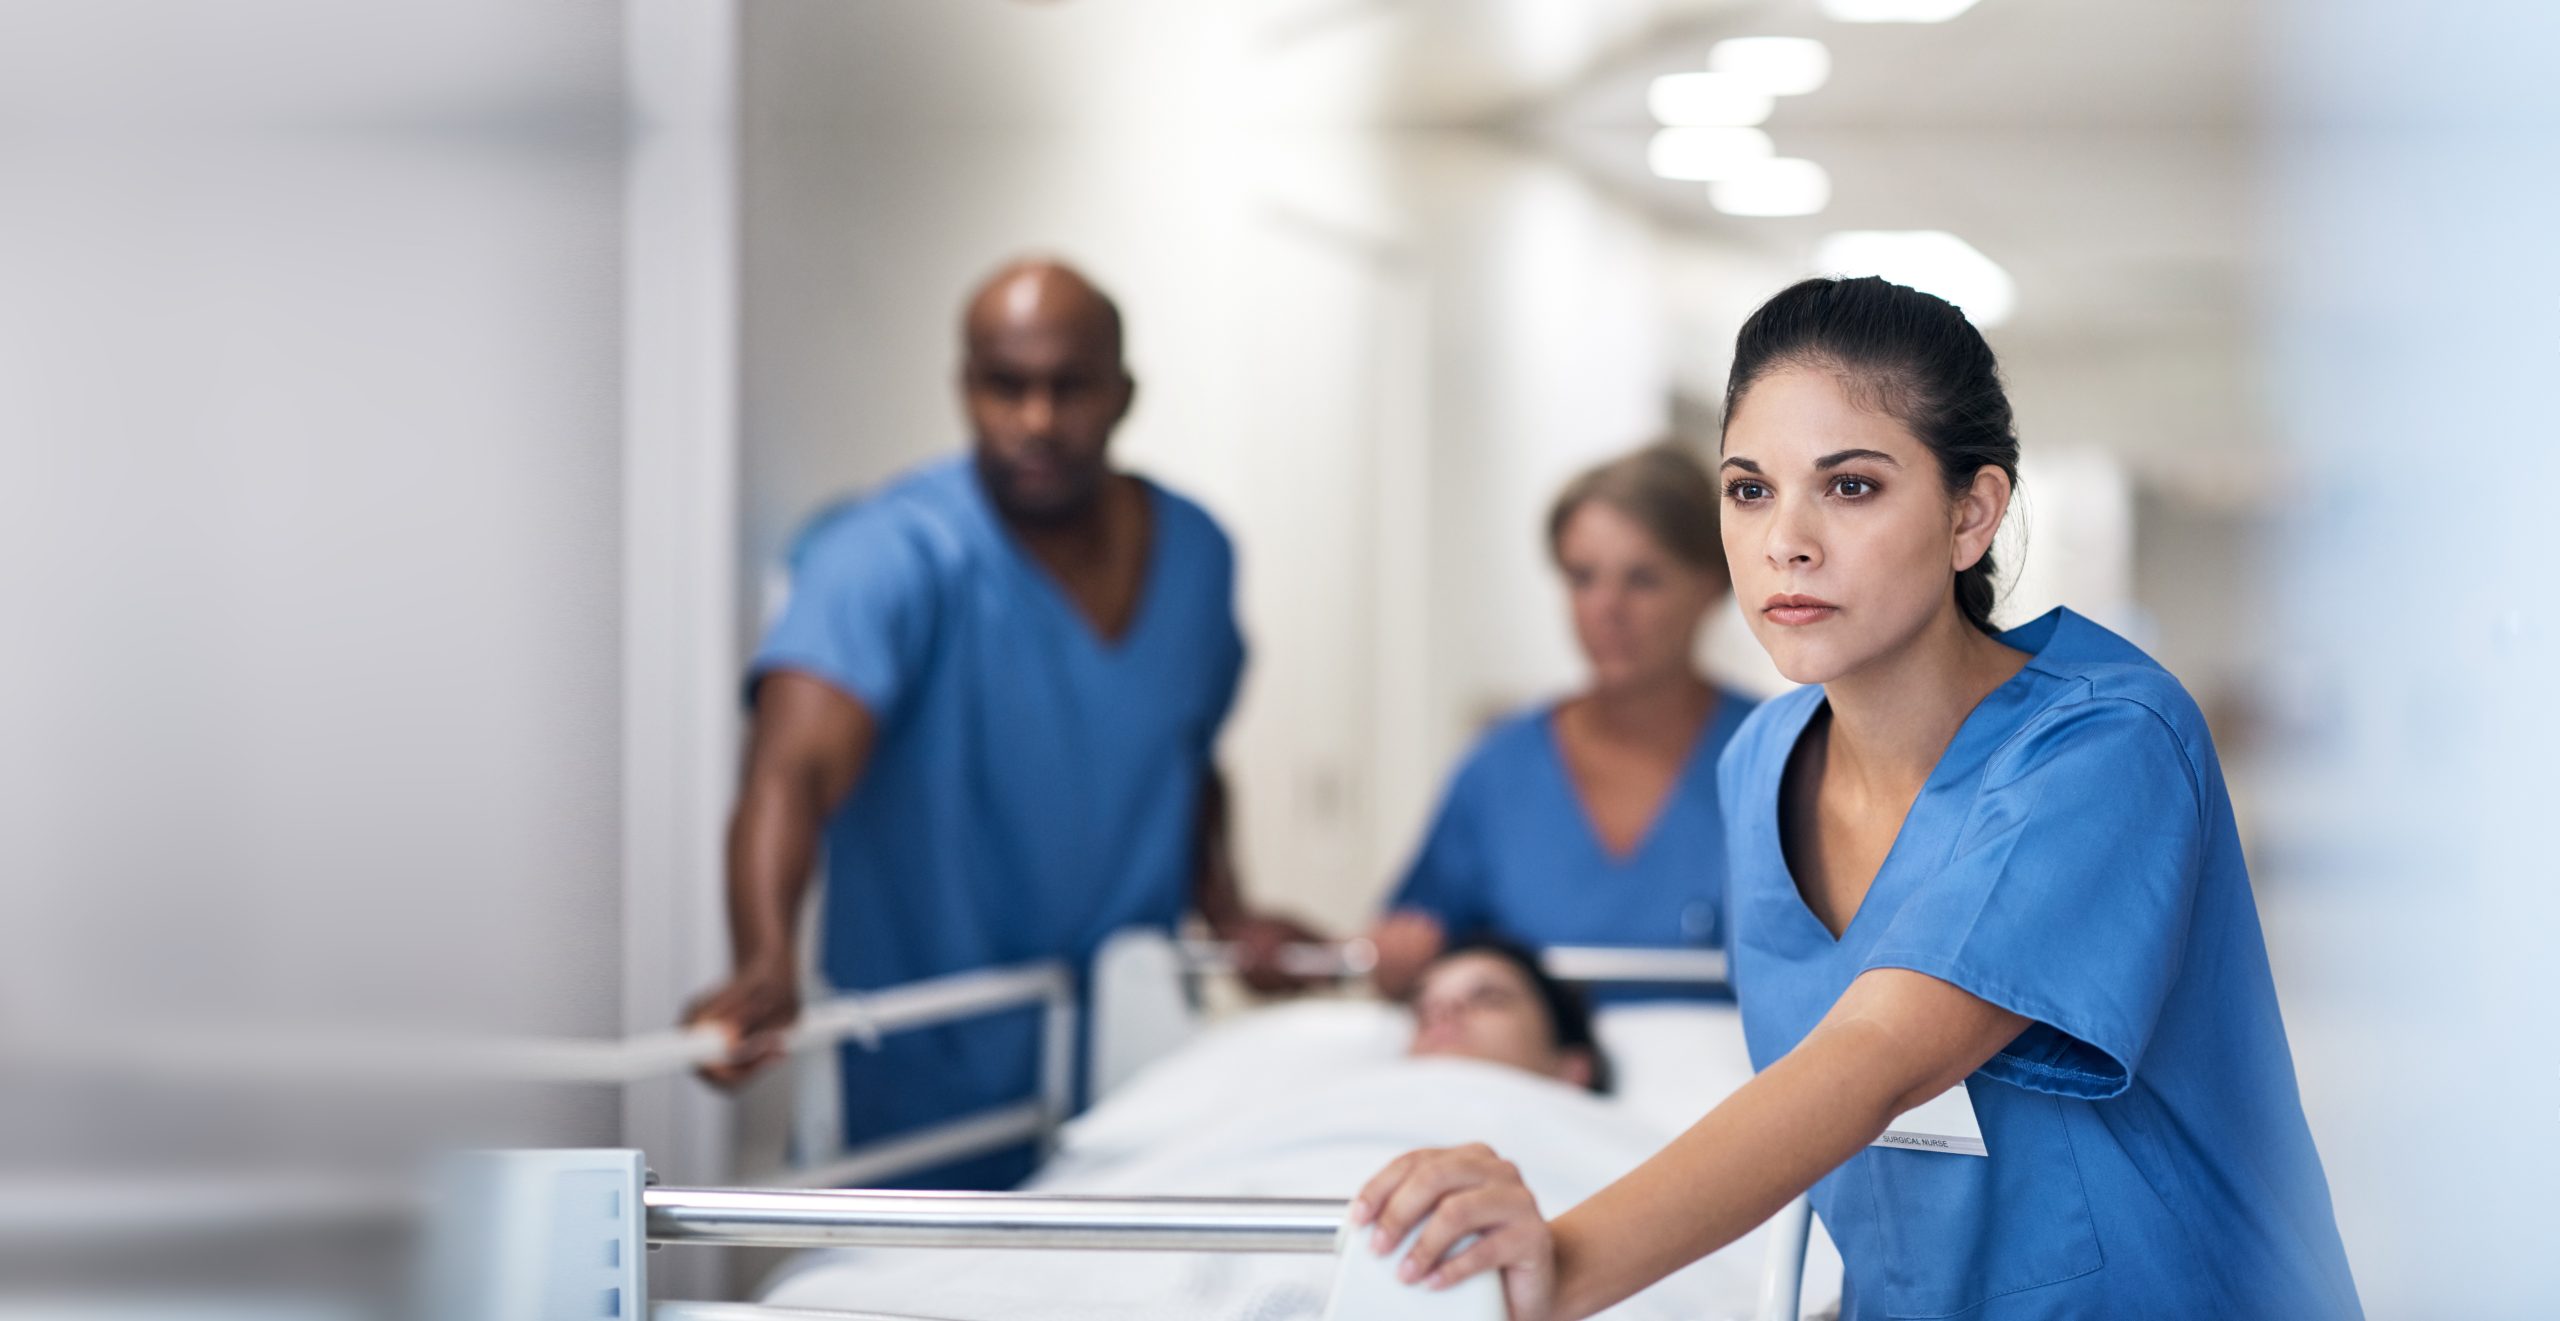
point(1830, 461)
point(1744, 464)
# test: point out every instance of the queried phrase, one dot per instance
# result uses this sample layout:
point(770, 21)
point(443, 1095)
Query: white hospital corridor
point(1277, 660)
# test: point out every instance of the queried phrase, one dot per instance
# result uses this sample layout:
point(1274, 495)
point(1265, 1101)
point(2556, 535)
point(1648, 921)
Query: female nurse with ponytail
point(1959, 857)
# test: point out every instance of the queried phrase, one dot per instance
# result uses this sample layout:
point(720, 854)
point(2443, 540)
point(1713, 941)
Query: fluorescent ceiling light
point(1701, 154)
point(1929, 260)
point(1707, 100)
point(1780, 66)
point(1781, 187)
point(1895, 11)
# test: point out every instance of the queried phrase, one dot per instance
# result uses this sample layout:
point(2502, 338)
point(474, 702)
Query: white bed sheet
point(1307, 1100)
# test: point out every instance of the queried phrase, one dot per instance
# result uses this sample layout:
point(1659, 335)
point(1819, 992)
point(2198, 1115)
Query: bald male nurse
point(992, 703)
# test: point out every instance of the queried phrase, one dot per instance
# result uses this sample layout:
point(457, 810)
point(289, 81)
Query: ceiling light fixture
point(1707, 100)
point(1894, 11)
point(1930, 260)
point(1783, 186)
point(1779, 66)
point(1699, 155)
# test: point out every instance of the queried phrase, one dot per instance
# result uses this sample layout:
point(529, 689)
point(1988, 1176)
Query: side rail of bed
point(538, 1235)
point(1589, 964)
point(820, 1157)
point(194, 1052)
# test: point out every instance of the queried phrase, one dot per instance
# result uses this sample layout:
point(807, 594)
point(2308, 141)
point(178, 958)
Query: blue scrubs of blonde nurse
point(1593, 820)
point(994, 693)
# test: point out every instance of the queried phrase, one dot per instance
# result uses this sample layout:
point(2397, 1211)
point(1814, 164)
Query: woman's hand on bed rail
point(1455, 1193)
point(754, 1009)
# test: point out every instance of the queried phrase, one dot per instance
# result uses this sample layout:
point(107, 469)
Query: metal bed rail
point(823, 1159)
point(536, 1235)
point(1630, 965)
point(834, 1219)
point(1573, 963)
point(839, 1218)
point(197, 1052)
point(1341, 960)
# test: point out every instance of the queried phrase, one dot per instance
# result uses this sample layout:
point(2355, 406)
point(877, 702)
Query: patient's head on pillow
point(1489, 1000)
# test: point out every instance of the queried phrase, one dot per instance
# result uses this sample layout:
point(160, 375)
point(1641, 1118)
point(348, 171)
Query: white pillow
point(1675, 1060)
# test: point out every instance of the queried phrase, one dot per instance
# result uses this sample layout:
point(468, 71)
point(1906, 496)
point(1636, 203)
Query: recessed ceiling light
point(1701, 154)
point(1780, 66)
point(1930, 260)
point(1784, 186)
point(1895, 11)
point(1709, 100)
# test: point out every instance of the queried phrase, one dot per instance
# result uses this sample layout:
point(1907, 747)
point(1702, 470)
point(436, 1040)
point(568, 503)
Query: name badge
point(1945, 1124)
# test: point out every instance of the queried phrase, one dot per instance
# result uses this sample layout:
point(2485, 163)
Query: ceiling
point(2044, 65)
point(2099, 150)
point(1440, 63)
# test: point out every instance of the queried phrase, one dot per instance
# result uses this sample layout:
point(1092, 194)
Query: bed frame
point(542, 1235)
point(812, 1209)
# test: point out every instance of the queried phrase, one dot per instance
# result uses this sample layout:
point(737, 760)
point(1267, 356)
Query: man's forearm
point(1218, 899)
point(1215, 892)
point(772, 847)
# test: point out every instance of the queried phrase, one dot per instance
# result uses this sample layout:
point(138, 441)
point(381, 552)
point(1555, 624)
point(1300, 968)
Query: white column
point(680, 616)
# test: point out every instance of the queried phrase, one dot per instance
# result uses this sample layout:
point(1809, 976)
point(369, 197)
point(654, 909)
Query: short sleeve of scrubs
point(1231, 649)
point(2068, 894)
point(1447, 879)
point(860, 615)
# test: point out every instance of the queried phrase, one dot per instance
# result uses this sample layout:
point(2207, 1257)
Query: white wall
point(2408, 224)
point(310, 521)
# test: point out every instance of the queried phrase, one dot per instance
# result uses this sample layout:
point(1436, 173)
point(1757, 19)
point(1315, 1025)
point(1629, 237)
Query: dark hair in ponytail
point(1908, 354)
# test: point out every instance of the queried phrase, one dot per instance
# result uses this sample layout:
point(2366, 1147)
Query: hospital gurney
point(647, 1215)
point(550, 1234)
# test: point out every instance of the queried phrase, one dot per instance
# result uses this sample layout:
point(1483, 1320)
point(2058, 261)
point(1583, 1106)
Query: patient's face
point(1481, 1007)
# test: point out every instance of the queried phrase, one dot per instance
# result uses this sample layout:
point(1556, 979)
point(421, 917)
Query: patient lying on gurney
point(1307, 1101)
point(1487, 1000)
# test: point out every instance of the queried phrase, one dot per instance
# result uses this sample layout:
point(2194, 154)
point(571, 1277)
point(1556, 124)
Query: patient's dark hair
point(1568, 1012)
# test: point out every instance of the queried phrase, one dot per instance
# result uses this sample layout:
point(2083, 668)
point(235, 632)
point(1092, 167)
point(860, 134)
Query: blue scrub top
point(1033, 788)
point(2071, 859)
point(1513, 853)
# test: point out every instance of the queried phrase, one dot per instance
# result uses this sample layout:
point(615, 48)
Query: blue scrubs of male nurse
point(995, 696)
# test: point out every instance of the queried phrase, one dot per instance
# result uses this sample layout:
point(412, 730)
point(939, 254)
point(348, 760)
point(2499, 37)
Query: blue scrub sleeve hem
point(875, 703)
point(1453, 925)
point(2052, 1056)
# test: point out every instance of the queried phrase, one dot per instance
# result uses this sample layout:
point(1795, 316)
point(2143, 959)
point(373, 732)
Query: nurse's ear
point(1974, 515)
point(1127, 386)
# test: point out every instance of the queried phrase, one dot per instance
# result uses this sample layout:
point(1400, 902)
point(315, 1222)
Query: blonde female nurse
point(1593, 820)
point(1959, 856)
